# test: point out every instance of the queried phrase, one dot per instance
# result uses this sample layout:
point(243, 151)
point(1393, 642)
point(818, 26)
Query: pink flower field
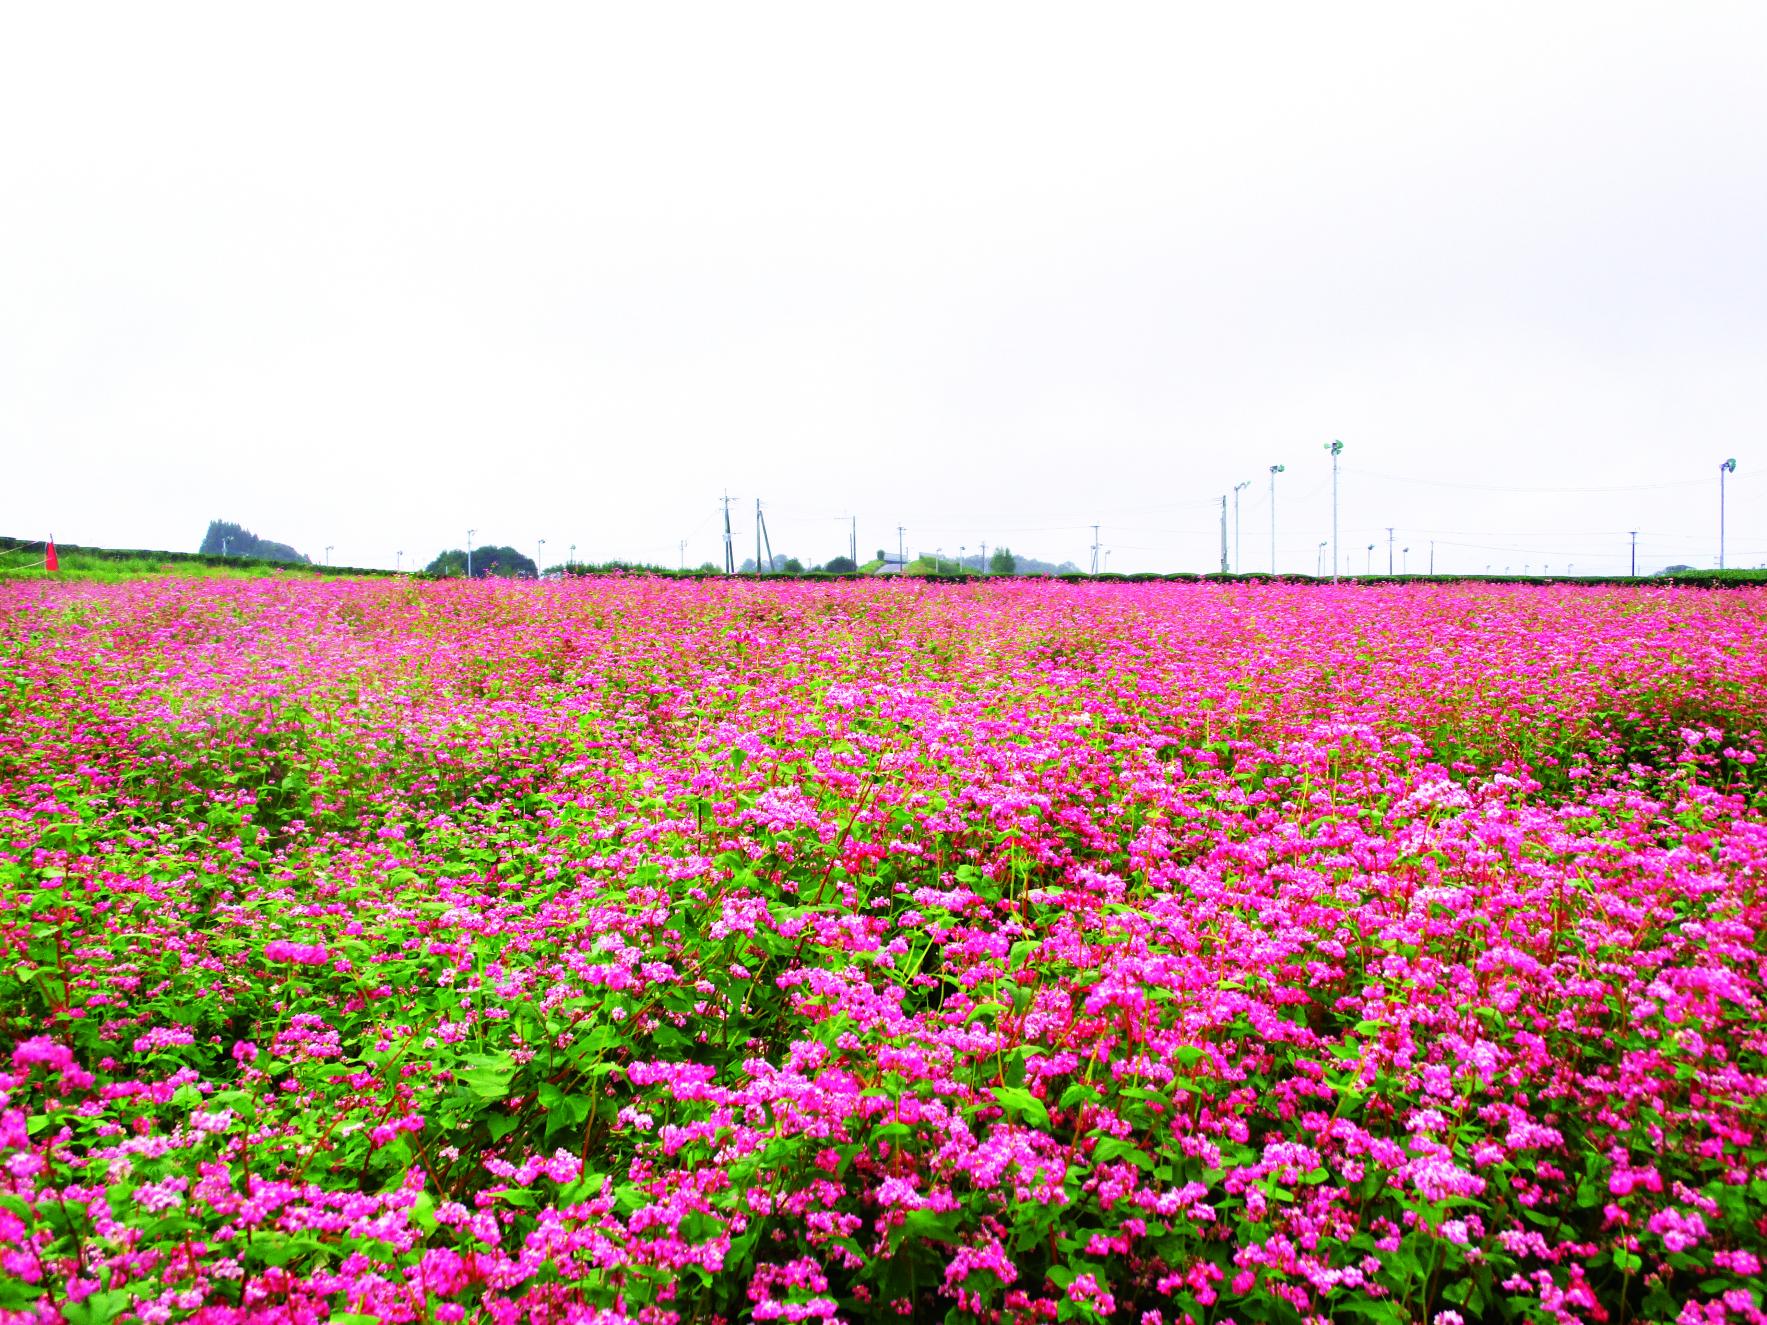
point(628, 949)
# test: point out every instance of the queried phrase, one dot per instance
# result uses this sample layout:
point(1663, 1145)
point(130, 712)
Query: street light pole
point(1336, 449)
point(1389, 549)
point(328, 554)
point(1274, 471)
point(1634, 534)
point(469, 534)
point(398, 561)
point(1319, 561)
point(1728, 467)
point(1368, 561)
point(540, 559)
point(1238, 560)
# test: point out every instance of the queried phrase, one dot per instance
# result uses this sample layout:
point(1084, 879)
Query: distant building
point(891, 566)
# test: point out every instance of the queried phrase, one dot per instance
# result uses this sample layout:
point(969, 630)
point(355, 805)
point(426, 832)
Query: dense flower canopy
point(618, 949)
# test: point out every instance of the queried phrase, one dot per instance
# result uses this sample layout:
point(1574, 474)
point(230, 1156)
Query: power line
point(1510, 487)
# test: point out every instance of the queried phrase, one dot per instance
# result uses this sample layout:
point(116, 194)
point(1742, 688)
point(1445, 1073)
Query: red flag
point(49, 561)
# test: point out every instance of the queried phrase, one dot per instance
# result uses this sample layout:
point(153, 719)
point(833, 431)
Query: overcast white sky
point(368, 275)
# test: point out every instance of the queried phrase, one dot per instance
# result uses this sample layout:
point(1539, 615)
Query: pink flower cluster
point(301, 954)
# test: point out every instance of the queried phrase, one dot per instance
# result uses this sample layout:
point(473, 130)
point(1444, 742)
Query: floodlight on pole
point(1336, 449)
point(1728, 467)
point(1274, 471)
point(328, 554)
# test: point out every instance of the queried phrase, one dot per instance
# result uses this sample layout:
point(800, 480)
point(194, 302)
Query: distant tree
point(841, 565)
point(1002, 562)
point(226, 539)
point(793, 566)
point(487, 562)
point(882, 555)
point(710, 567)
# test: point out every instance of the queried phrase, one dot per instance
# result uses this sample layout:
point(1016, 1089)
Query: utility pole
point(766, 534)
point(1336, 449)
point(1432, 558)
point(469, 534)
point(1274, 471)
point(853, 542)
point(757, 538)
point(1389, 549)
point(1238, 557)
point(1224, 533)
point(1634, 534)
point(1728, 467)
point(901, 547)
point(1095, 549)
point(683, 546)
point(984, 569)
point(729, 546)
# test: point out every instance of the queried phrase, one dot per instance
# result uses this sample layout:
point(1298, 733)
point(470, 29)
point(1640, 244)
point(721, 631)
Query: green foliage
point(1002, 562)
point(22, 559)
point(492, 561)
point(224, 539)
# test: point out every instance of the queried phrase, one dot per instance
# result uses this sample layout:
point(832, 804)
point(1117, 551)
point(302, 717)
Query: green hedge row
point(198, 558)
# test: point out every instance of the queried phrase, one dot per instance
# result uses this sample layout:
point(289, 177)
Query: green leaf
point(1114, 1147)
point(489, 1075)
point(1076, 1094)
point(1018, 1100)
point(98, 1308)
point(981, 1010)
